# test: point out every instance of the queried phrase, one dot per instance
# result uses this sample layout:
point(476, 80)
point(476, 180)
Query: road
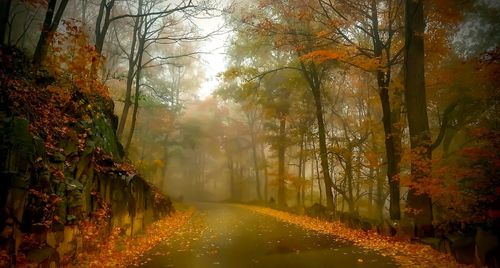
point(223, 235)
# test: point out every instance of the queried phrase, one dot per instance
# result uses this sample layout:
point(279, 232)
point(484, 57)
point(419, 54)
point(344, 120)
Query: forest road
point(224, 235)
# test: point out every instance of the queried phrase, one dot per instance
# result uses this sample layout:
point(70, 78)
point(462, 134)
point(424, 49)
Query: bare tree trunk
point(358, 182)
point(166, 160)
point(281, 162)
point(140, 52)
point(303, 169)
point(349, 177)
point(4, 19)
point(301, 160)
point(232, 186)
point(266, 175)
point(41, 47)
point(50, 24)
point(84, 11)
point(317, 175)
point(134, 114)
point(314, 82)
point(303, 189)
point(380, 200)
point(392, 136)
point(370, 191)
point(130, 75)
point(103, 21)
point(256, 166)
point(393, 155)
point(312, 178)
point(418, 123)
point(255, 159)
point(323, 153)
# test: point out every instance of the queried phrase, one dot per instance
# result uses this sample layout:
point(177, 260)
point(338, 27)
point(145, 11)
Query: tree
point(154, 24)
point(103, 21)
point(282, 30)
point(369, 30)
point(416, 105)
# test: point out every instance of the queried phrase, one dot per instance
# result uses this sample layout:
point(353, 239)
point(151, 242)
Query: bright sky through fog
point(214, 61)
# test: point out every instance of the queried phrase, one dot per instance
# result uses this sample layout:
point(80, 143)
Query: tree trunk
point(257, 176)
point(166, 160)
point(134, 114)
point(323, 152)
point(393, 155)
point(126, 102)
point(140, 52)
point(415, 99)
point(50, 24)
point(255, 159)
point(300, 178)
point(130, 76)
point(303, 188)
point(84, 11)
point(312, 177)
point(358, 182)
point(349, 176)
point(380, 198)
point(370, 191)
point(231, 178)
point(314, 84)
point(103, 18)
point(281, 163)
point(101, 31)
point(241, 178)
point(41, 47)
point(392, 136)
point(317, 175)
point(4, 19)
point(303, 175)
point(264, 162)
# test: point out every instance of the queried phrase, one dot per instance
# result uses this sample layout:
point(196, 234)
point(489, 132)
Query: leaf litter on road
point(404, 253)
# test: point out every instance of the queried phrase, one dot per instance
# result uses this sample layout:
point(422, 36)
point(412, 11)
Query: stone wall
point(44, 197)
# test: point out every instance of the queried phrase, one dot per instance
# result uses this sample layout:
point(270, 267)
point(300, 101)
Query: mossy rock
point(17, 148)
point(74, 194)
point(70, 148)
point(431, 241)
point(39, 255)
point(20, 181)
point(39, 147)
point(104, 136)
point(81, 167)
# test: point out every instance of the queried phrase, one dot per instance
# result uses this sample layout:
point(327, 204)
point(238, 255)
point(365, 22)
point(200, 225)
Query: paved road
point(221, 235)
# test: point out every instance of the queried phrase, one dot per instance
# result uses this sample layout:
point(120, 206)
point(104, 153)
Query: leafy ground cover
point(123, 251)
point(404, 253)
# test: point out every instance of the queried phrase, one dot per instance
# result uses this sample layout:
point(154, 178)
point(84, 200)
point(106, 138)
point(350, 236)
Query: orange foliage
point(347, 55)
point(74, 60)
point(119, 250)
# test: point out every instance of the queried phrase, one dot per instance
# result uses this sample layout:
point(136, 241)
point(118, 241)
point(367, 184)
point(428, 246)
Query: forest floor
point(224, 235)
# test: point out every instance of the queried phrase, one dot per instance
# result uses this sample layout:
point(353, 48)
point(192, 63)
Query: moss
point(104, 136)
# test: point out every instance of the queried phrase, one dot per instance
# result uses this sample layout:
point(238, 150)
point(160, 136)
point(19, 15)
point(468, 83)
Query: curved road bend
point(223, 235)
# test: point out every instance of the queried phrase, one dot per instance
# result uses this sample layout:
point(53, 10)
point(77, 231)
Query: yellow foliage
point(158, 163)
